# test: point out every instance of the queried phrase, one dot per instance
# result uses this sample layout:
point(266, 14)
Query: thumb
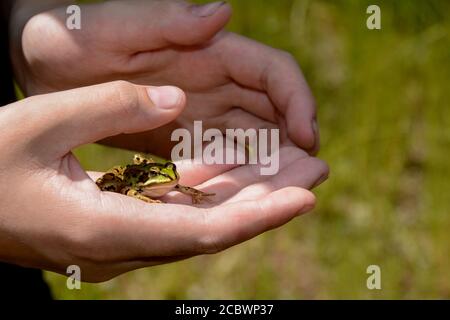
point(61, 121)
point(150, 25)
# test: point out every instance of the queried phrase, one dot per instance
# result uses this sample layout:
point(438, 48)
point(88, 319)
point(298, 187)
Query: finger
point(278, 74)
point(162, 230)
point(192, 173)
point(231, 182)
point(305, 173)
point(148, 25)
point(254, 102)
point(64, 120)
point(237, 118)
point(234, 223)
point(222, 227)
point(139, 229)
point(234, 95)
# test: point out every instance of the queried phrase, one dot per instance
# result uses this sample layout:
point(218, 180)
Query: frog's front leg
point(136, 193)
point(196, 195)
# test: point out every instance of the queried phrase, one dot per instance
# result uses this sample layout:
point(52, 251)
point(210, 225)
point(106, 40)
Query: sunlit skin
point(54, 215)
point(230, 81)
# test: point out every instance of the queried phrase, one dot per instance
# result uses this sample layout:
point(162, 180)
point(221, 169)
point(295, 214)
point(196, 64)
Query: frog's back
point(110, 182)
point(134, 174)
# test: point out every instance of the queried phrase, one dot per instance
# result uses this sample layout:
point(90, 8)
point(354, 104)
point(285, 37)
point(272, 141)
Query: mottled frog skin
point(147, 180)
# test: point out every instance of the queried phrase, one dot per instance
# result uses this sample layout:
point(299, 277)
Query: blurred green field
point(384, 116)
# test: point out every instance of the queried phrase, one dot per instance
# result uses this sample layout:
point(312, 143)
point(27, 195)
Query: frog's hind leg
point(196, 195)
point(137, 195)
point(111, 180)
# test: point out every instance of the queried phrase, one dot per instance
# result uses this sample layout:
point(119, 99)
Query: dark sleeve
point(7, 94)
point(15, 282)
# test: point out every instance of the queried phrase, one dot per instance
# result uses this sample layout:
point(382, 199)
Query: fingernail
point(166, 97)
point(206, 10)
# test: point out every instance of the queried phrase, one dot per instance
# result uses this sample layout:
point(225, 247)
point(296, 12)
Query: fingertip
point(294, 200)
point(167, 97)
point(303, 135)
point(226, 11)
point(324, 170)
point(205, 21)
point(302, 125)
point(209, 9)
point(308, 198)
point(309, 202)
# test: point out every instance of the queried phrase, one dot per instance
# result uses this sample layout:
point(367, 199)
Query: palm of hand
point(246, 204)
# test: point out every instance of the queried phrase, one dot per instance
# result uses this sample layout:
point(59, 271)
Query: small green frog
point(146, 180)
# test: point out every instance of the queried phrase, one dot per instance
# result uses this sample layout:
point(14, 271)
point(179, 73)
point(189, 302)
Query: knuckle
point(293, 153)
point(39, 24)
point(126, 96)
point(36, 24)
point(209, 242)
point(234, 118)
point(78, 247)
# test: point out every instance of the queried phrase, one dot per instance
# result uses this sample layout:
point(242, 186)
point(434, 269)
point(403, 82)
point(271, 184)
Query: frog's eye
point(171, 166)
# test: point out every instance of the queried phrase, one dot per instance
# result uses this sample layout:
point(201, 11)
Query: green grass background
point(384, 116)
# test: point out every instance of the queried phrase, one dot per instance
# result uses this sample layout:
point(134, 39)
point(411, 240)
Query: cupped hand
point(230, 81)
point(53, 215)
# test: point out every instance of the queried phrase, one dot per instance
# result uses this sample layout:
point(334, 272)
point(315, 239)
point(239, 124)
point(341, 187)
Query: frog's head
point(163, 178)
point(170, 170)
